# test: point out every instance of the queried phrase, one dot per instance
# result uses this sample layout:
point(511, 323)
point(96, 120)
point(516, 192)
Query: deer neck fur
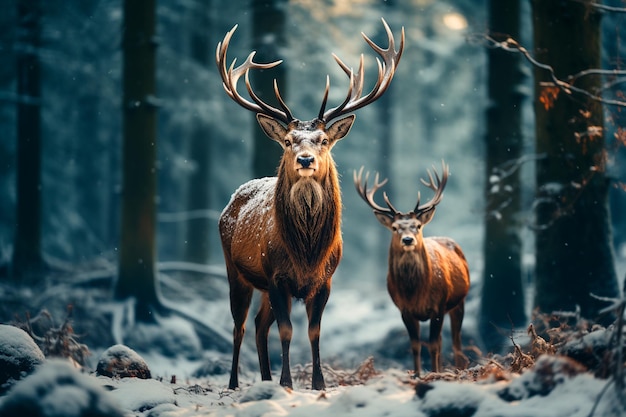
point(308, 217)
point(412, 267)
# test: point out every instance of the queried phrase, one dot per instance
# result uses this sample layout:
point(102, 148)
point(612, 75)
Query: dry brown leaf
point(548, 96)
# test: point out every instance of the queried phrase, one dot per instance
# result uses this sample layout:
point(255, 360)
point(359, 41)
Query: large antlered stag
point(427, 277)
point(281, 235)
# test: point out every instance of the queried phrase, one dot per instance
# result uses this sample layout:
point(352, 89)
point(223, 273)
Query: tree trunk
point(27, 258)
point(502, 301)
point(574, 255)
point(137, 275)
point(268, 37)
point(198, 196)
point(384, 113)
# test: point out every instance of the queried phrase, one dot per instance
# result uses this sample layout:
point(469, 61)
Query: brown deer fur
point(427, 277)
point(282, 235)
point(425, 284)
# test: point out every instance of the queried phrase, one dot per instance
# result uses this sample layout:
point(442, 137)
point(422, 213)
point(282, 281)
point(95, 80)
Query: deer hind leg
point(412, 325)
point(280, 300)
point(240, 297)
point(434, 342)
point(315, 308)
point(456, 320)
point(263, 321)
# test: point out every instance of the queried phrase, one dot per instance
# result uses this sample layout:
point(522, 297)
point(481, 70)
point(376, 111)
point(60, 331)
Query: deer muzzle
point(408, 243)
point(306, 165)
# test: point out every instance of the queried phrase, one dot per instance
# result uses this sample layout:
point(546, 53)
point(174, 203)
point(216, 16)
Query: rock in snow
point(120, 361)
point(19, 356)
point(57, 389)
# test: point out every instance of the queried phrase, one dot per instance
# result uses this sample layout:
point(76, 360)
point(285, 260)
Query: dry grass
point(364, 372)
point(54, 341)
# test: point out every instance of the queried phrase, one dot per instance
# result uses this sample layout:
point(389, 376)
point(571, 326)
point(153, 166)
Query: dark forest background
point(536, 196)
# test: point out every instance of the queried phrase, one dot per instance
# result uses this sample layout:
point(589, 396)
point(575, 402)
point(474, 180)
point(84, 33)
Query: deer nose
point(305, 161)
point(408, 241)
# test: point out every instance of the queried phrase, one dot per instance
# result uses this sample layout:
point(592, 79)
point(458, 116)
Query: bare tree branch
point(566, 86)
point(603, 7)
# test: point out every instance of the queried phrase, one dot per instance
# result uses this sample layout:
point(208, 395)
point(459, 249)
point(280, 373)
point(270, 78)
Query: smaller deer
point(427, 277)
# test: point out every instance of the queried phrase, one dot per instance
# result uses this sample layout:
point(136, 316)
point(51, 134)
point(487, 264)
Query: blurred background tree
point(574, 252)
point(27, 259)
point(201, 138)
point(269, 39)
point(137, 277)
point(502, 304)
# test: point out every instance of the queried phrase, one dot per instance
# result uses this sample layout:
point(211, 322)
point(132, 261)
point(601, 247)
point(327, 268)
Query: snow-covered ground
point(58, 390)
point(555, 386)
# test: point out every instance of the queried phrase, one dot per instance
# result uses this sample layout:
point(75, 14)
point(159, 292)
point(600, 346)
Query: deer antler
point(368, 195)
point(438, 188)
point(386, 71)
point(231, 75)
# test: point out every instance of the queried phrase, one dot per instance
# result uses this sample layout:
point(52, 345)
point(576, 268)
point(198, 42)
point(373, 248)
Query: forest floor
point(563, 366)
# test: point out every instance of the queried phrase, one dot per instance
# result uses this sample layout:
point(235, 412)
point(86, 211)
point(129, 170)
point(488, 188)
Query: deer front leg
point(240, 297)
point(412, 325)
point(280, 301)
point(263, 321)
point(315, 308)
point(434, 342)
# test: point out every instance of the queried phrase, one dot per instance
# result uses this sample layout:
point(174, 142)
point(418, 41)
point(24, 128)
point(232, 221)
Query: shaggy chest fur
point(411, 283)
point(308, 221)
point(291, 237)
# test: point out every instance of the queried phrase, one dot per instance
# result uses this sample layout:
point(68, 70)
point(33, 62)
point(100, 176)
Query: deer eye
point(325, 142)
point(287, 143)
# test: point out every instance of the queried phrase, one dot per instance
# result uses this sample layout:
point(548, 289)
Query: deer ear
point(340, 128)
point(427, 216)
point(272, 128)
point(383, 219)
